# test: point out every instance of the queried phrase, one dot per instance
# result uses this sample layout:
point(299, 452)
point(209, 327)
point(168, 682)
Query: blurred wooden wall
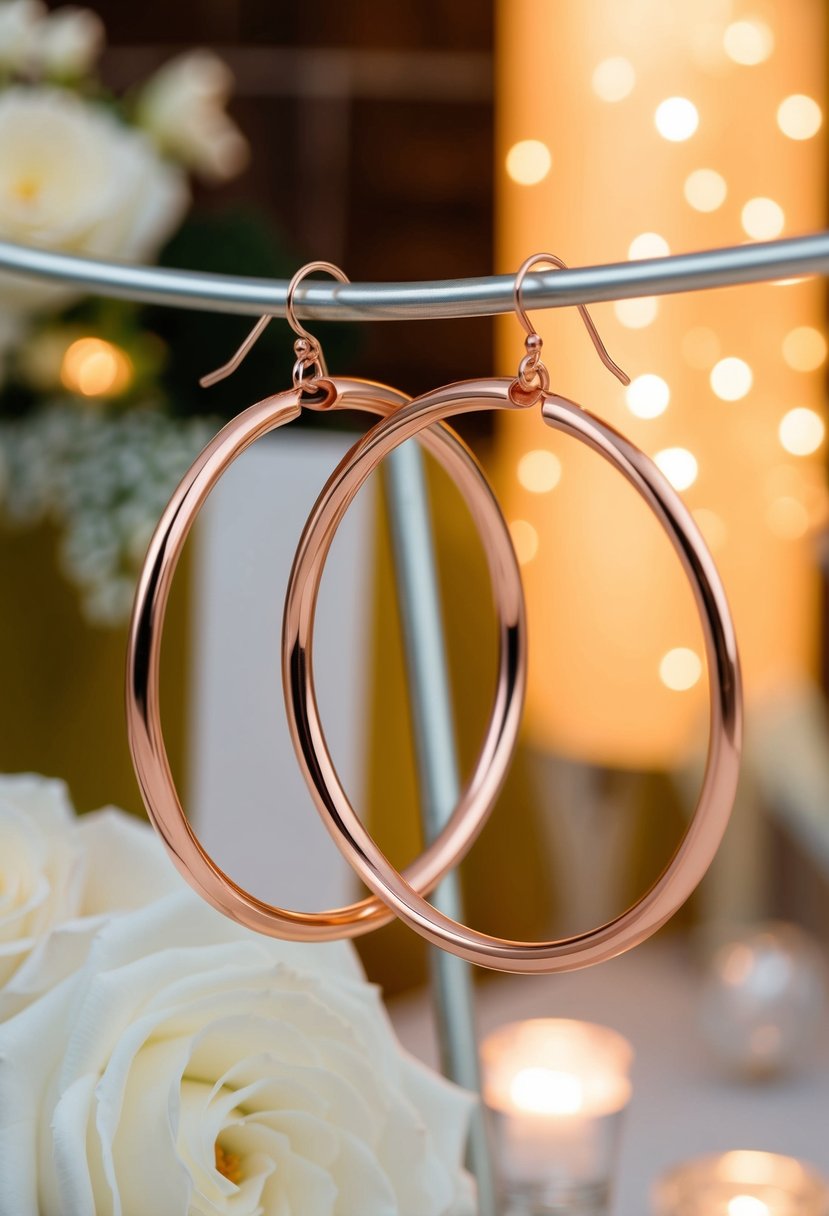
point(372, 133)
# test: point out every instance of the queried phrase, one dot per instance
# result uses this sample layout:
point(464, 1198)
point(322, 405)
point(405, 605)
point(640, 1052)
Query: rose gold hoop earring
point(698, 846)
point(313, 388)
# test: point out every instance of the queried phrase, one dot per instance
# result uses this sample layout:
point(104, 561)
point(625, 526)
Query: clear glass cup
point(556, 1090)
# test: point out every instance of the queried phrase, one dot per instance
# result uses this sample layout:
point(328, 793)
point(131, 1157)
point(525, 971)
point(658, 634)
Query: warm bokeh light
point(95, 368)
point(705, 189)
point(524, 540)
point(731, 379)
point(543, 1091)
point(804, 348)
point(747, 1205)
point(762, 218)
point(613, 79)
point(799, 116)
point(637, 313)
point(539, 471)
point(555, 1067)
point(648, 245)
point(801, 431)
point(528, 162)
point(748, 42)
point(647, 396)
point(680, 669)
point(588, 692)
point(712, 528)
point(679, 466)
point(676, 119)
point(700, 347)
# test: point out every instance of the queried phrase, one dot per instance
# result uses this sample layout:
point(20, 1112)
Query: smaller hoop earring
point(702, 838)
point(146, 740)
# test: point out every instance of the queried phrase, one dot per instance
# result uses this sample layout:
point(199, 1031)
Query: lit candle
point(742, 1184)
point(557, 1089)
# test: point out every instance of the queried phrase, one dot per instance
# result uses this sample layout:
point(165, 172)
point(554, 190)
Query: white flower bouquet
point(84, 171)
point(158, 1060)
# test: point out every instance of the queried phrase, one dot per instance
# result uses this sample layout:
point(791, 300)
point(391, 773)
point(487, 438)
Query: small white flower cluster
point(104, 480)
point(157, 1057)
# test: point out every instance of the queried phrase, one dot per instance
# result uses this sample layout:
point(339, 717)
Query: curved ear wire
point(521, 312)
point(227, 369)
point(311, 351)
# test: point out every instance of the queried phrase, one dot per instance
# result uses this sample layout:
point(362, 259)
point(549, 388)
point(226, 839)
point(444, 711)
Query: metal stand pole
point(439, 780)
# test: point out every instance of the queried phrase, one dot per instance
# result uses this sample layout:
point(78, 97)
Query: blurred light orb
point(679, 466)
point(788, 518)
point(613, 79)
point(700, 347)
point(747, 1205)
point(545, 1091)
point(648, 245)
point(801, 431)
point(676, 119)
point(95, 368)
point(711, 526)
point(799, 116)
point(539, 471)
point(647, 396)
point(524, 540)
point(528, 162)
point(762, 1000)
point(804, 349)
point(705, 189)
point(748, 42)
point(637, 313)
point(731, 379)
point(762, 218)
point(680, 669)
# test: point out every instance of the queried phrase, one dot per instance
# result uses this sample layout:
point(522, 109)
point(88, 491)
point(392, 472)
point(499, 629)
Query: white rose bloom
point(68, 42)
point(20, 25)
point(74, 178)
point(59, 875)
point(183, 108)
point(192, 1068)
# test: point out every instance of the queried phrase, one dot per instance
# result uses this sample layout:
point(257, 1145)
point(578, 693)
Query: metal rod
point(748, 263)
point(438, 777)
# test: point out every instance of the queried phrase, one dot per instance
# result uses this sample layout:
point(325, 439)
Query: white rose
point(59, 875)
point(183, 108)
point(74, 178)
point(192, 1068)
point(68, 42)
point(20, 23)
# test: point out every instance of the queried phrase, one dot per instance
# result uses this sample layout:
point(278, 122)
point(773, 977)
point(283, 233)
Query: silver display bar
point(748, 263)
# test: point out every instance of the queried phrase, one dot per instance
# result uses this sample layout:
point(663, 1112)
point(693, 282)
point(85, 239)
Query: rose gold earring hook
point(534, 344)
point(307, 348)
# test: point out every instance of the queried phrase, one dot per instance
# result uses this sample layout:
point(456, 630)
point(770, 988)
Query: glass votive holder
point(556, 1090)
point(742, 1183)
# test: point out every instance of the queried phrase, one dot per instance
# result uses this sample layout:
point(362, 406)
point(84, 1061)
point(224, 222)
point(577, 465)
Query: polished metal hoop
point(144, 649)
point(700, 842)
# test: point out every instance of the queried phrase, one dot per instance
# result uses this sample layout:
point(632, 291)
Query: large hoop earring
point(314, 389)
point(699, 844)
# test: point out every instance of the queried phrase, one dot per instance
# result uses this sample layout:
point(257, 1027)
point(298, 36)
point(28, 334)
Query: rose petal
point(126, 865)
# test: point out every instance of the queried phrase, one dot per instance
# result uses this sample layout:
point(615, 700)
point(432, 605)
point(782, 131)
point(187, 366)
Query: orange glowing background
point(664, 128)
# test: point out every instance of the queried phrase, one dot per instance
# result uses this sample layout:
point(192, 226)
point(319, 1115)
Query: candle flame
point(747, 1205)
point(542, 1091)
